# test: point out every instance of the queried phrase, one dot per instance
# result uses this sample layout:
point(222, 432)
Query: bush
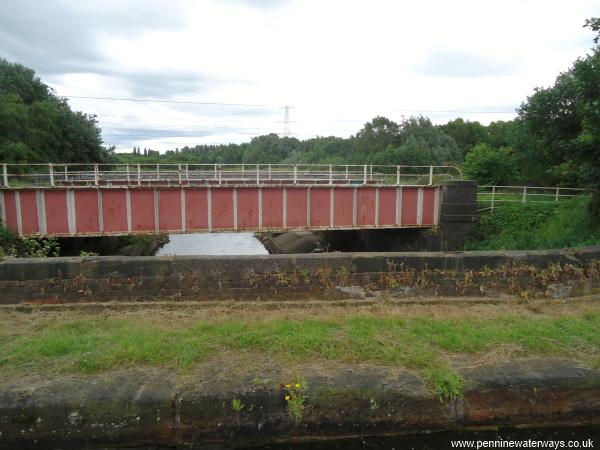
point(520, 226)
point(16, 247)
point(490, 165)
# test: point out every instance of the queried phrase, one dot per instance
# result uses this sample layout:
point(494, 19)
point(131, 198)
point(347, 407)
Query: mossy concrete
point(151, 407)
point(530, 274)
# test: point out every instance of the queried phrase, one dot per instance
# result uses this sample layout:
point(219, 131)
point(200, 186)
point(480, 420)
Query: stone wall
point(529, 274)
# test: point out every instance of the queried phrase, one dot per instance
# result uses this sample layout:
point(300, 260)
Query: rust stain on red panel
point(247, 210)
point(196, 209)
point(272, 208)
point(57, 214)
point(409, 206)
point(10, 210)
point(428, 206)
point(114, 210)
point(86, 211)
point(222, 208)
point(142, 210)
point(169, 207)
point(29, 213)
point(320, 198)
point(365, 206)
point(387, 206)
point(343, 207)
point(296, 208)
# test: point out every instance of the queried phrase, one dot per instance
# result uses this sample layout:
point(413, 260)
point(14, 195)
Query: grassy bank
point(522, 226)
point(415, 339)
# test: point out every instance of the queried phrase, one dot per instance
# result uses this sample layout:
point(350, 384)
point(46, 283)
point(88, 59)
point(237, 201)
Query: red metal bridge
point(97, 200)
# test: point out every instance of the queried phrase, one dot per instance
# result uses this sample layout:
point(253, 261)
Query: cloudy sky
point(220, 71)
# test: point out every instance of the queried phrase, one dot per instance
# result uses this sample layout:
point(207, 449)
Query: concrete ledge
point(152, 408)
point(547, 273)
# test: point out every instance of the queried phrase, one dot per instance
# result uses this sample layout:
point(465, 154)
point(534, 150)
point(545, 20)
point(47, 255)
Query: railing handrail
point(60, 164)
point(223, 173)
point(533, 187)
point(494, 194)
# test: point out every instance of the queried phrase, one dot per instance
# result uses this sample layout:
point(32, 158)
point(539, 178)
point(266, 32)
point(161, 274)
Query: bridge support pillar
point(458, 214)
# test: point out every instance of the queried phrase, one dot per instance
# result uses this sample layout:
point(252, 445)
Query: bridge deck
point(102, 210)
point(192, 199)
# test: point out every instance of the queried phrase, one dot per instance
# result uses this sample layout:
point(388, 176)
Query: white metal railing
point(68, 175)
point(490, 196)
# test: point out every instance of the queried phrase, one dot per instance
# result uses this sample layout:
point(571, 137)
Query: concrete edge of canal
point(155, 407)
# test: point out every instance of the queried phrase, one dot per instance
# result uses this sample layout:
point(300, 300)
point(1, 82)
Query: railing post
point(347, 180)
point(220, 174)
point(430, 175)
point(179, 169)
point(524, 194)
point(243, 173)
point(216, 172)
point(269, 172)
point(187, 174)
point(398, 175)
point(139, 173)
point(295, 174)
point(158, 171)
point(51, 174)
point(365, 174)
point(96, 175)
point(330, 174)
point(127, 172)
point(493, 197)
point(66, 174)
point(5, 174)
point(556, 198)
point(257, 174)
point(371, 172)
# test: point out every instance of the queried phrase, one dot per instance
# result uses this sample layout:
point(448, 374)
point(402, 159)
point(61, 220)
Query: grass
point(84, 344)
point(237, 405)
point(522, 226)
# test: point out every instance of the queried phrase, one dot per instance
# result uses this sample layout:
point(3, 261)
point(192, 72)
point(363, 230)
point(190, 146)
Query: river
point(213, 244)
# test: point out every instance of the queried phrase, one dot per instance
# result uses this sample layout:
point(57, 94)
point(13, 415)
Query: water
point(498, 438)
point(213, 244)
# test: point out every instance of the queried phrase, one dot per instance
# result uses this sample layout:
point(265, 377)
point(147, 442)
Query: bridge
point(98, 200)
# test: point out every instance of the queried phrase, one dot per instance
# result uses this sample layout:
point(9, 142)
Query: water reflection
point(213, 244)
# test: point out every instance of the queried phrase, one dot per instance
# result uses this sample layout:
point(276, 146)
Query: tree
point(38, 126)
point(503, 133)
point(490, 165)
point(375, 136)
point(466, 134)
point(563, 126)
point(269, 148)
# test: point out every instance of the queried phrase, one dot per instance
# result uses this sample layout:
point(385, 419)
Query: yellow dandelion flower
point(287, 397)
point(297, 385)
point(288, 385)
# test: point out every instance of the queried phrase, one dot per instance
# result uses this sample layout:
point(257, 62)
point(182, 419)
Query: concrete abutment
point(329, 276)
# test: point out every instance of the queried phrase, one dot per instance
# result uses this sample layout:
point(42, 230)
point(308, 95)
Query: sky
point(220, 71)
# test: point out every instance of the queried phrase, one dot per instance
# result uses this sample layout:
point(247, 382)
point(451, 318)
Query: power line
point(186, 102)
point(453, 111)
point(180, 128)
point(264, 105)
